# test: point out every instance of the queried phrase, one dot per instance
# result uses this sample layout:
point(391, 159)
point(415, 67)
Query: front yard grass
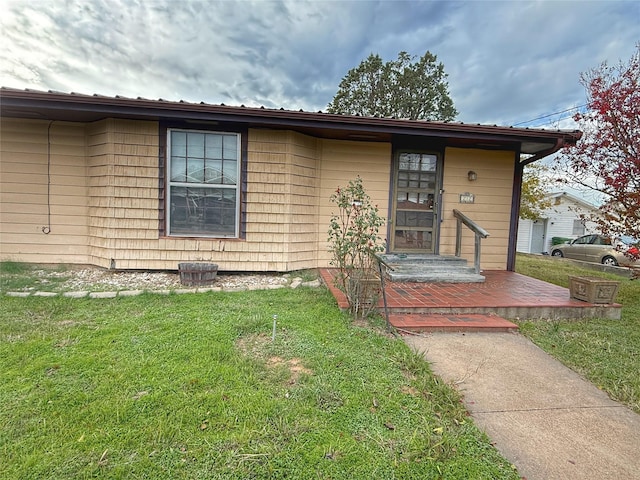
point(192, 386)
point(20, 276)
point(607, 352)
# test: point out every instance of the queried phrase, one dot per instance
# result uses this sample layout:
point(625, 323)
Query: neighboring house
point(144, 184)
point(562, 219)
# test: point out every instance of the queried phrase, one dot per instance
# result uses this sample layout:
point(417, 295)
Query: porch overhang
point(532, 144)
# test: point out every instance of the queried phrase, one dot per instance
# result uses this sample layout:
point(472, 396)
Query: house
point(145, 184)
point(562, 219)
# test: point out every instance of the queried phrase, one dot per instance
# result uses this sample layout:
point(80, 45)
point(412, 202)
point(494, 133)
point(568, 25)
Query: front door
point(537, 236)
point(415, 203)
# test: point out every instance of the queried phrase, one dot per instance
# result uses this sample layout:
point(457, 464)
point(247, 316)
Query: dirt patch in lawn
point(253, 345)
point(257, 346)
point(293, 364)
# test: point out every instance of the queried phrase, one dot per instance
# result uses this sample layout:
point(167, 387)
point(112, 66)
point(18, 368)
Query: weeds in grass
point(14, 268)
point(308, 275)
point(411, 361)
point(25, 277)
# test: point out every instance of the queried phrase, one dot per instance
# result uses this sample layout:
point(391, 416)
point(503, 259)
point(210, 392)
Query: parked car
point(600, 249)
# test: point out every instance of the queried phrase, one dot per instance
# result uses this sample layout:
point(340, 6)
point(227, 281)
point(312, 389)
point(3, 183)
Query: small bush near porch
point(605, 351)
point(354, 244)
point(192, 386)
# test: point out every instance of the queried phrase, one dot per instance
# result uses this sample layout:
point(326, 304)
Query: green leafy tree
point(409, 87)
point(534, 200)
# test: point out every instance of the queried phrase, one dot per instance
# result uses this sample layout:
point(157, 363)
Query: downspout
point(516, 194)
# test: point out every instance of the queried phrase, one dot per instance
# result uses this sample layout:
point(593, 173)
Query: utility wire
point(47, 229)
point(550, 115)
point(551, 123)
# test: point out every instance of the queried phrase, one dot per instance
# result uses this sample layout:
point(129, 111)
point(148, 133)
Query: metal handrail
point(381, 262)
point(479, 232)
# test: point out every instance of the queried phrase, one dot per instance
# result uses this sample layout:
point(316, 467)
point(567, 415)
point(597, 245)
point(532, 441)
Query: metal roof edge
point(269, 115)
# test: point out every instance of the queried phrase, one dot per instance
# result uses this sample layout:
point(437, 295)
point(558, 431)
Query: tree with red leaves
point(607, 159)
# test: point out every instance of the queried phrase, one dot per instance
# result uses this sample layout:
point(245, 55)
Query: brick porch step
point(463, 322)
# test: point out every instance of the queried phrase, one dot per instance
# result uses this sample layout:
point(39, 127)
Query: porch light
point(472, 176)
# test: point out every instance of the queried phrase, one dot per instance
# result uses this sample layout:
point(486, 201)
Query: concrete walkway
point(544, 418)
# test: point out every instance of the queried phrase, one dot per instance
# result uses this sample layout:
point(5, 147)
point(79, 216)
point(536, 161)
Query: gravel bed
point(96, 279)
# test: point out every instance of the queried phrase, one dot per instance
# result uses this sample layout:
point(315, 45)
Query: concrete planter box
point(593, 290)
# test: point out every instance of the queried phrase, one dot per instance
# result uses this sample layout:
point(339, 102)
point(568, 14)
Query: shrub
point(354, 244)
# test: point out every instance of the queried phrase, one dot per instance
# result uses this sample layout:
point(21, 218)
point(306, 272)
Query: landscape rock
point(79, 282)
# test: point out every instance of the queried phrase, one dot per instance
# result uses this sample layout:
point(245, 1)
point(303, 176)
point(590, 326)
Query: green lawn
point(605, 351)
point(192, 386)
point(19, 276)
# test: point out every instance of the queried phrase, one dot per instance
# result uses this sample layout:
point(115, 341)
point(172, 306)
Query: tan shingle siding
point(105, 197)
point(492, 207)
point(24, 198)
point(124, 195)
point(338, 167)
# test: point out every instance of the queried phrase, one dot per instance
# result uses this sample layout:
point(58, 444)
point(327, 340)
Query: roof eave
point(53, 105)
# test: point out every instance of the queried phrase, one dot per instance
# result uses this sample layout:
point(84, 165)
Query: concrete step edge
point(460, 278)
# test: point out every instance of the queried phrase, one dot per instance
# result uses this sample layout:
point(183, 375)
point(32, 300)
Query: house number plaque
point(467, 197)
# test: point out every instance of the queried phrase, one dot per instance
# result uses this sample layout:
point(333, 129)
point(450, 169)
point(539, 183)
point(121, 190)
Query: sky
point(507, 62)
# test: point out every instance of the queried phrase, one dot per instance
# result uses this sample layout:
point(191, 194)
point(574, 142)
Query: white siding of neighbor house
point(560, 217)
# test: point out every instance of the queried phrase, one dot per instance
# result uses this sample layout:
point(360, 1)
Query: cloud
point(523, 59)
point(507, 61)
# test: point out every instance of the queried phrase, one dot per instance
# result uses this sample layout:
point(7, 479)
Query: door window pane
point(413, 239)
point(414, 218)
point(415, 209)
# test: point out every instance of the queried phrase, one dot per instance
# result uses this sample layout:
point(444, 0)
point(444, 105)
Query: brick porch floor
point(462, 306)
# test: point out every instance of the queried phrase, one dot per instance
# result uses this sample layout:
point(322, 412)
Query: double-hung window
point(203, 186)
point(578, 227)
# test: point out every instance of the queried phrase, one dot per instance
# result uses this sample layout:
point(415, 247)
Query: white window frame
point(578, 228)
point(171, 184)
